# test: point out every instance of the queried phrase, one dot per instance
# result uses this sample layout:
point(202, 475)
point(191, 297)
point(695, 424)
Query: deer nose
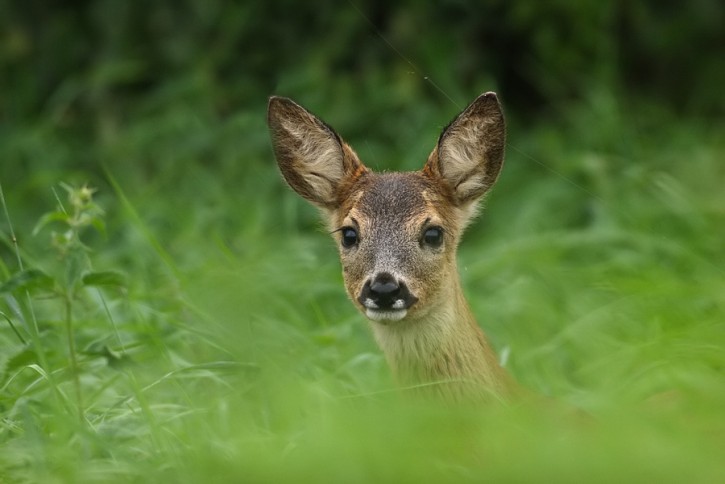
point(384, 288)
point(384, 292)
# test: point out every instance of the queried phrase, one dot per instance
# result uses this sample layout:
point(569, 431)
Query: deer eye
point(349, 237)
point(433, 237)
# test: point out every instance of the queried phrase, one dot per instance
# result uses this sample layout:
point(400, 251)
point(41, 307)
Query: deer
point(397, 235)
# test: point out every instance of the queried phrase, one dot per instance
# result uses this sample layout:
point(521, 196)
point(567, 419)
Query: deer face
point(397, 238)
point(397, 233)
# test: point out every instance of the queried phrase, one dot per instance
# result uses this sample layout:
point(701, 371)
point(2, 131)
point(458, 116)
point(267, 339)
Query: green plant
point(75, 276)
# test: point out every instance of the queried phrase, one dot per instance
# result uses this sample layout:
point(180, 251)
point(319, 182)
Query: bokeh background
point(221, 342)
point(92, 73)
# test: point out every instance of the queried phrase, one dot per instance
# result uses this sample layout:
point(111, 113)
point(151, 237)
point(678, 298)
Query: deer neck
point(444, 351)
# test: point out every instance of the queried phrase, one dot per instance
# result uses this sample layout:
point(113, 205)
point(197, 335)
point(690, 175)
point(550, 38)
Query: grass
point(210, 338)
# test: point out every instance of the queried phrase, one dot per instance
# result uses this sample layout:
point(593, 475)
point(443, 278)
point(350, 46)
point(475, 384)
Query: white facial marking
point(378, 315)
point(370, 304)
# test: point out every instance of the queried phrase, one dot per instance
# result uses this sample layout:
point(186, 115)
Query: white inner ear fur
point(318, 157)
point(462, 158)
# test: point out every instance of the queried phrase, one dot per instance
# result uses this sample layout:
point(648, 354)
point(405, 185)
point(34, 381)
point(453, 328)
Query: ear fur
point(313, 159)
point(470, 151)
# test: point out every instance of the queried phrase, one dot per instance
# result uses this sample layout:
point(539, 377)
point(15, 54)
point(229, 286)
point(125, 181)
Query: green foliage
point(186, 322)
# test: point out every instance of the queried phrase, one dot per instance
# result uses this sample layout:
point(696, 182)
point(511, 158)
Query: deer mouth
point(394, 310)
point(382, 315)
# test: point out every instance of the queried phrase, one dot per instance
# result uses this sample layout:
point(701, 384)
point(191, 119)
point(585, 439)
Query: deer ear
point(470, 150)
point(312, 158)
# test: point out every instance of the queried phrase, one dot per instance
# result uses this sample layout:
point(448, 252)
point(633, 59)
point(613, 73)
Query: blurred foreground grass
point(230, 352)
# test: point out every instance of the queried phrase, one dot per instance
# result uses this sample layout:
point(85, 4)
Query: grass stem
point(73, 359)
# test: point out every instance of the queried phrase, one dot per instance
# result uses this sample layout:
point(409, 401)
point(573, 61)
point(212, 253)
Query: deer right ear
point(470, 150)
point(312, 158)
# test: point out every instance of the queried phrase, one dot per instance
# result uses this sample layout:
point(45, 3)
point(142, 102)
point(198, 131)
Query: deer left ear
point(311, 156)
point(470, 151)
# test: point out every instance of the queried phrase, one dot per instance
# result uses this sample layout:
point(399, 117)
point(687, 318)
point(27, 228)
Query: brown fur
point(431, 340)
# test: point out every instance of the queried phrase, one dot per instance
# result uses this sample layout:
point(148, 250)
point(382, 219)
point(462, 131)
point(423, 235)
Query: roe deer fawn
point(397, 235)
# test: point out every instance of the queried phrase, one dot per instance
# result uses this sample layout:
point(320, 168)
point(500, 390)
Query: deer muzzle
point(386, 298)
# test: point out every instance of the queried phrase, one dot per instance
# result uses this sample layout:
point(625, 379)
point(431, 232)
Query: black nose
point(384, 291)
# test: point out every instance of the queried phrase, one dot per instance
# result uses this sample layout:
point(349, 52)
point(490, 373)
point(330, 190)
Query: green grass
point(229, 353)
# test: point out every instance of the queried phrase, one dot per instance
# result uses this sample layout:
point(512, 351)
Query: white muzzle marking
point(389, 315)
point(396, 313)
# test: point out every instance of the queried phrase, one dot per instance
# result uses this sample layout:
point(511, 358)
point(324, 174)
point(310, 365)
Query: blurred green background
point(203, 331)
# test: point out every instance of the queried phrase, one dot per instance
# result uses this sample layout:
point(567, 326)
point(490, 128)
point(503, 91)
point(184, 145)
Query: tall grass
point(228, 352)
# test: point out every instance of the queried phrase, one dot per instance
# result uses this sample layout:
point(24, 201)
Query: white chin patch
point(390, 315)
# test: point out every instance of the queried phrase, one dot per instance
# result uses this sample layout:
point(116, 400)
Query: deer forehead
point(395, 200)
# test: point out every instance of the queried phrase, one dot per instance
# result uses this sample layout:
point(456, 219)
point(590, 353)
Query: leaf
point(104, 278)
point(114, 359)
point(21, 358)
point(27, 279)
point(48, 218)
point(99, 225)
point(76, 261)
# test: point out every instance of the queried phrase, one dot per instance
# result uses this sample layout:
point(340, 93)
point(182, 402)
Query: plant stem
point(72, 354)
point(12, 326)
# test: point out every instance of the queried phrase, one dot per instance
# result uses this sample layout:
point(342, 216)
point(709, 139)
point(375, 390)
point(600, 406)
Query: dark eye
point(433, 237)
point(349, 237)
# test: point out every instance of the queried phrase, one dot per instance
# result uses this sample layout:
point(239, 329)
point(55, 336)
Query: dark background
point(90, 64)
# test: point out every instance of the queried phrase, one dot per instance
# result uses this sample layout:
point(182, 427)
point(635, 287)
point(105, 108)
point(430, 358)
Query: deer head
point(397, 233)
